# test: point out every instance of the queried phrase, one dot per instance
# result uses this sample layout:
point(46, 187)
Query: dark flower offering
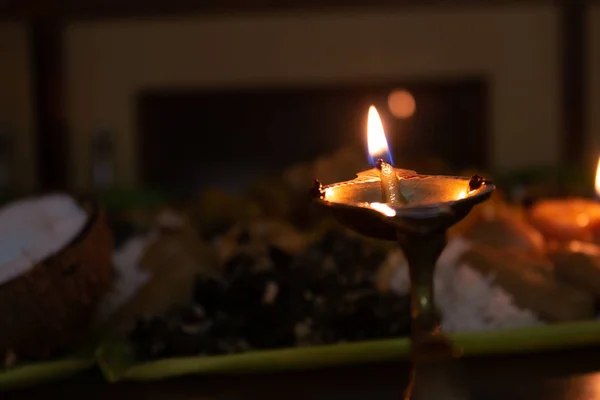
point(273, 299)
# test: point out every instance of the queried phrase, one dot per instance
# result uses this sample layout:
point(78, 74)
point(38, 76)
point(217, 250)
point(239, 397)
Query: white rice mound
point(467, 300)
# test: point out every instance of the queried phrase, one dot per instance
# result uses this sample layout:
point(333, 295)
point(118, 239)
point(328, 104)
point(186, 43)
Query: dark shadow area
point(193, 138)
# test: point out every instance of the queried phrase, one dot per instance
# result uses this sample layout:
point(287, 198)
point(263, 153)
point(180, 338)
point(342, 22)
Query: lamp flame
point(597, 186)
point(376, 141)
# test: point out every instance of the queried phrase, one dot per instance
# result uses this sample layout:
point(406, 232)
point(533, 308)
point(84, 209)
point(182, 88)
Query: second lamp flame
point(376, 141)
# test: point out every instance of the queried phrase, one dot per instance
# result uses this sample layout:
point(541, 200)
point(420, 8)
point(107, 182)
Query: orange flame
point(376, 141)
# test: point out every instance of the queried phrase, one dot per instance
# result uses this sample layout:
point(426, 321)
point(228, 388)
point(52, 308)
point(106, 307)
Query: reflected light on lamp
point(402, 103)
point(584, 387)
point(384, 209)
point(329, 193)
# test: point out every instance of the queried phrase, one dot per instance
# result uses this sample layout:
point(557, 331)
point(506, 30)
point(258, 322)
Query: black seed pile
point(326, 295)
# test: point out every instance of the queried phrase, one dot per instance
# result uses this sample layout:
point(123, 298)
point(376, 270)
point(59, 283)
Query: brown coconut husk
point(50, 307)
point(502, 226)
point(578, 264)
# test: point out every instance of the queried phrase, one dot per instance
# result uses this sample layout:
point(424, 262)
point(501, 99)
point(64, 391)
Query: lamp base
point(437, 380)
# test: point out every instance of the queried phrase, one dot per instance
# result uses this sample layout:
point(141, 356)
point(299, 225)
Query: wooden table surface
point(573, 375)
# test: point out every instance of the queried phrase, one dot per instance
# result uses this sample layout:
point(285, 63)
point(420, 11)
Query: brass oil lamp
point(416, 211)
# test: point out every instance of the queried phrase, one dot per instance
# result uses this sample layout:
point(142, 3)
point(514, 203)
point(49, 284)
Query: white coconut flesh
point(34, 229)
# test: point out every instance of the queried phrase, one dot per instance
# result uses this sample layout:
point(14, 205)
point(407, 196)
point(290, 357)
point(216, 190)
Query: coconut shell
point(50, 307)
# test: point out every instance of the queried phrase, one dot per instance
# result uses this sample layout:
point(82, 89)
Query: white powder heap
point(34, 229)
point(468, 301)
point(127, 260)
point(130, 277)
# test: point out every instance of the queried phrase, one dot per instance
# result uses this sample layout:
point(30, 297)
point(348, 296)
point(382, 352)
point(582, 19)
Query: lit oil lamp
point(415, 210)
point(568, 219)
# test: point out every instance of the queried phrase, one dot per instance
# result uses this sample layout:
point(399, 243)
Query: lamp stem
point(434, 368)
point(422, 252)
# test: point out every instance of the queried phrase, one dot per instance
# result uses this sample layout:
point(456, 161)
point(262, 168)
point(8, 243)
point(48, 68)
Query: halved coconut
point(55, 263)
